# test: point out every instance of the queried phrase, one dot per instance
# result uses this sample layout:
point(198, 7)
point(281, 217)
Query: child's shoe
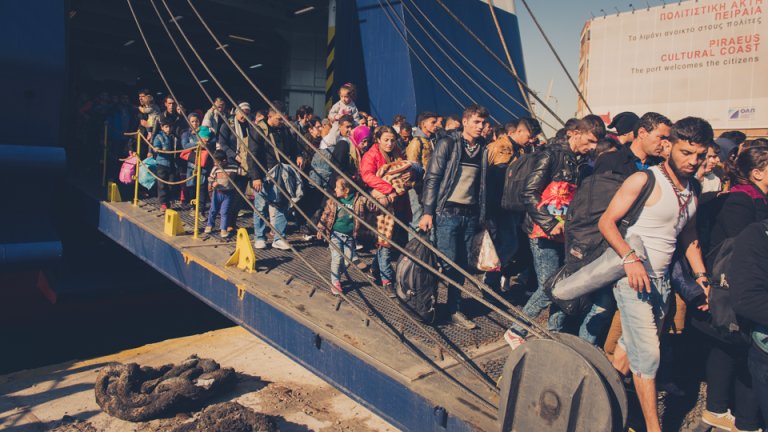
point(208, 229)
point(336, 289)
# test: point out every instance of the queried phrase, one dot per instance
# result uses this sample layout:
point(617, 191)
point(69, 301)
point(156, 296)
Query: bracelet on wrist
point(628, 254)
point(698, 275)
point(632, 261)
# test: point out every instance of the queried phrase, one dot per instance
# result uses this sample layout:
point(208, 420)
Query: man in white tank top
point(668, 217)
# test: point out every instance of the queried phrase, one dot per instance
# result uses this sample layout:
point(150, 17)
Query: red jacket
point(371, 162)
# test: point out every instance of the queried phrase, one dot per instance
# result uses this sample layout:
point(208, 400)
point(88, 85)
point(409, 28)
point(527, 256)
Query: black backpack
point(723, 319)
point(514, 180)
point(416, 286)
point(583, 241)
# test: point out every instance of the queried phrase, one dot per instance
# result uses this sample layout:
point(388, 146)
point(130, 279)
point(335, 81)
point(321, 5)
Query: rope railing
point(531, 326)
point(350, 264)
point(196, 175)
point(292, 248)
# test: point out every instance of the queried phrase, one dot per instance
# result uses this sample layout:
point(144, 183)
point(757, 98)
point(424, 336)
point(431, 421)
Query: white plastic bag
point(484, 256)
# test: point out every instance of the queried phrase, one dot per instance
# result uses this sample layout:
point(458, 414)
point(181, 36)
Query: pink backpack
point(128, 170)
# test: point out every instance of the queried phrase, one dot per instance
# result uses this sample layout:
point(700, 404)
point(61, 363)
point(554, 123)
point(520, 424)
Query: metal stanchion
point(104, 158)
point(198, 161)
point(138, 158)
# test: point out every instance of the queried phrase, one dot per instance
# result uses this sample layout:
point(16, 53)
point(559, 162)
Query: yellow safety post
point(197, 192)
point(138, 158)
point(113, 193)
point(173, 226)
point(244, 256)
point(104, 158)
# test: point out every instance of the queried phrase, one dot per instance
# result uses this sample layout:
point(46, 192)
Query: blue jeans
point(758, 367)
point(599, 317)
point(346, 243)
point(503, 228)
point(264, 203)
point(384, 256)
point(191, 185)
point(641, 317)
point(220, 205)
point(547, 259)
point(454, 229)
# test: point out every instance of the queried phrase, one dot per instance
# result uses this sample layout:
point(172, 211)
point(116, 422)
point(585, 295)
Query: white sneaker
point(307, 237)
point(259, 244)
point(280, 244)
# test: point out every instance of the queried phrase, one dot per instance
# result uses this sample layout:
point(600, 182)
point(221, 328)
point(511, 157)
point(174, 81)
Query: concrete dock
point(271, 383)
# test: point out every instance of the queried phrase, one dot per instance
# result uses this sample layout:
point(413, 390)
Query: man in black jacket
point(643, 152)
point(748, 281)
point(454, 198)
point(269, 201)
point(559, 161)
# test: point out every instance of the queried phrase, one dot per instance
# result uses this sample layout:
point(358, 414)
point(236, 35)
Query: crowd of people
point(445, 176)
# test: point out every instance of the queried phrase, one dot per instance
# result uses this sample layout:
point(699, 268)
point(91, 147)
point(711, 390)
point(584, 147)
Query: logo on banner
point(741, 113)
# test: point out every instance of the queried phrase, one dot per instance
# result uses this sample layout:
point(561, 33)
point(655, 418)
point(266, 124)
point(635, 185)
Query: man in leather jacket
point(453, 198)
point(561, 160)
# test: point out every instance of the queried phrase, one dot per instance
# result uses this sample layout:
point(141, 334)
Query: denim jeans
point(454, 229)
point(264, 201)
point(220, 205)
point(385, 256)
point(758, 367)
point(547, 259)
point(503, 228)
point(346, 243)
point(191, 185)
point(641, 317)
point(599, 317)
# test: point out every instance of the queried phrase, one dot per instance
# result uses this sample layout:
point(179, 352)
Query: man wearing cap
point(643, 152)
point(624, 125)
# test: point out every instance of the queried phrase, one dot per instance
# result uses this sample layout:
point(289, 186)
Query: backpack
point(723, 319)
point(514, 180)
point(416, 286)
point(321, 169)
point(583, 241)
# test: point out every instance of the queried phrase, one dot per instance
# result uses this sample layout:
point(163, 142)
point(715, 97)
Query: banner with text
point(696, 58)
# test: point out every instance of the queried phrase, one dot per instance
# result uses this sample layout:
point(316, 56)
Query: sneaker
point(280, 244)
point(307, 237)
point(259, 244)
point(358, 247)
point(725, 421)
point(460, 319)
point(225, 234)
point(389, 288)
point(361, 265)
point(163, 207)
point(336, 289)
point(203, 218)
point(208, 229)
point(513, 339)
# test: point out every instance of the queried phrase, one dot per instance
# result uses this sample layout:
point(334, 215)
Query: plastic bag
point(145, 177)
point(484, 256)
point(128, 170)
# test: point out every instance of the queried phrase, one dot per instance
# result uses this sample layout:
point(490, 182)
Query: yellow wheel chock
point(173, 226)
point(113, 193)
point(244, 256)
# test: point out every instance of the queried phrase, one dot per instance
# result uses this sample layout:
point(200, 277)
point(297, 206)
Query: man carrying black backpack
point(557, 170)
point(667, 218)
